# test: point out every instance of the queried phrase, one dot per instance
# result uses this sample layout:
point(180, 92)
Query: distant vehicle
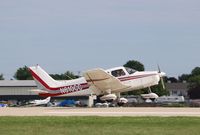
point(40, 102)
point(122, 101)
point(67, 103)
point(194, 102)
point(170, 99)
point(3, 105)
point(106, 83)
point(106, 104)
point(148, 101)
point(98, 105)
point(151, 96)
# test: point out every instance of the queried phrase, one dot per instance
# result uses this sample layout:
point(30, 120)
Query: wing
point(103, 81)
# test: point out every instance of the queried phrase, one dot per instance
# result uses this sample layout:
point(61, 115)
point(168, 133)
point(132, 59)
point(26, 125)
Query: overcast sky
point(77, 35)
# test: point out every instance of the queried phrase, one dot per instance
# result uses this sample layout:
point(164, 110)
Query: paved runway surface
point(122, 111)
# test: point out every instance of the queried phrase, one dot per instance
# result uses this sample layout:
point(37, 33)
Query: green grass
point(99, 125)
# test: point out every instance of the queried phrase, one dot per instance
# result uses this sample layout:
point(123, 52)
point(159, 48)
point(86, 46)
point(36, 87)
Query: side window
point(118, 73)
point(130, 70)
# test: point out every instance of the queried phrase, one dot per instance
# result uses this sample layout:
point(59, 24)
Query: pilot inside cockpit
point(118, 73)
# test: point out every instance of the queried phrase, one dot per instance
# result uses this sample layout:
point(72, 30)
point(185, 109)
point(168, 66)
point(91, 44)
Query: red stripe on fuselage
point(83, 85)
point(50, 94)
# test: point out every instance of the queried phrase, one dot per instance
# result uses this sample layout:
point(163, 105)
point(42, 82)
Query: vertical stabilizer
point(43, 80)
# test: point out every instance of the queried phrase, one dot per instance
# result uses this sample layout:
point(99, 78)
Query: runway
point(122, 111)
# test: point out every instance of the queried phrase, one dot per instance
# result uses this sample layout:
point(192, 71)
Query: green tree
point(135, 65)
point(1, 77)
point(159, 90)
point(194, 83)
point(194, 79)
point(70, 75)
point(184, 77)
point(196, 71)
point(66, 76)
point(194, 93)
point(23, 73)
point(190, 77)
point(56, 76)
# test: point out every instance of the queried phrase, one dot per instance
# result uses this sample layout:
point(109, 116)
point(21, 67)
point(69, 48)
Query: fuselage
point(79, 87)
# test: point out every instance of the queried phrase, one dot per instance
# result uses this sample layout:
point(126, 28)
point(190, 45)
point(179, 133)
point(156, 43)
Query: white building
point(177, 89)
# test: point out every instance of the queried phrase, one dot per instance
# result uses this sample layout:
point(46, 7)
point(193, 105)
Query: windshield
point(130, 70)
point(118, 73)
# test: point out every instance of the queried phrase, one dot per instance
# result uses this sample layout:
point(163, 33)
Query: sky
point(78, 35)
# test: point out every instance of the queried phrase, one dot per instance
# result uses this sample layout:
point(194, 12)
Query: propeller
point(161, 74)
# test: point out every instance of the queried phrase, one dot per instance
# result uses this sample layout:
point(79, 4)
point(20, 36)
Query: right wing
point(103, 82)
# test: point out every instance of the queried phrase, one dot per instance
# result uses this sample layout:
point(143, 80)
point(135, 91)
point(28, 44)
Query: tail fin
point(42, 78)
point(48, 99)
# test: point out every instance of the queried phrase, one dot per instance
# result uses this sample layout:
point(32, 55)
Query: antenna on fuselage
point(69, 77)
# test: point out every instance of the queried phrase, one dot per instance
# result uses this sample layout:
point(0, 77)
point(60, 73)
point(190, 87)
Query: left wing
point(103, 82)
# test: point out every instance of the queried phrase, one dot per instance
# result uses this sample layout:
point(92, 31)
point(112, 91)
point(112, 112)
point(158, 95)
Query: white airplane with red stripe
point(108, 83)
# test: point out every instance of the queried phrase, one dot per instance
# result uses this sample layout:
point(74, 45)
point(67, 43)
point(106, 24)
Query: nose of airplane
point(162, 74)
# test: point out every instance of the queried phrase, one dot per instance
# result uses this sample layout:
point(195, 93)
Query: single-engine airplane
point(105, 83)
point(40, 102)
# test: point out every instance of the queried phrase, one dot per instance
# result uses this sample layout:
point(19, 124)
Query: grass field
point(99, 125)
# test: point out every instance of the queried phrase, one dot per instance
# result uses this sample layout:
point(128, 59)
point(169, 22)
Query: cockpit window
point(130, 70)
point(118, 73)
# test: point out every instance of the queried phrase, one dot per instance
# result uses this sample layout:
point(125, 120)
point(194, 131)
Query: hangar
point(17, 90)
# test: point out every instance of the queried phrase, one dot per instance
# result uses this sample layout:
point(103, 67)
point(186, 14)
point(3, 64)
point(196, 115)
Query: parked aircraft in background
point(105, 83)
point(150, 95)
point(40, 102)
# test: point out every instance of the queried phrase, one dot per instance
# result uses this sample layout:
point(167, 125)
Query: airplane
point(105, 83)
point(40, 102)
